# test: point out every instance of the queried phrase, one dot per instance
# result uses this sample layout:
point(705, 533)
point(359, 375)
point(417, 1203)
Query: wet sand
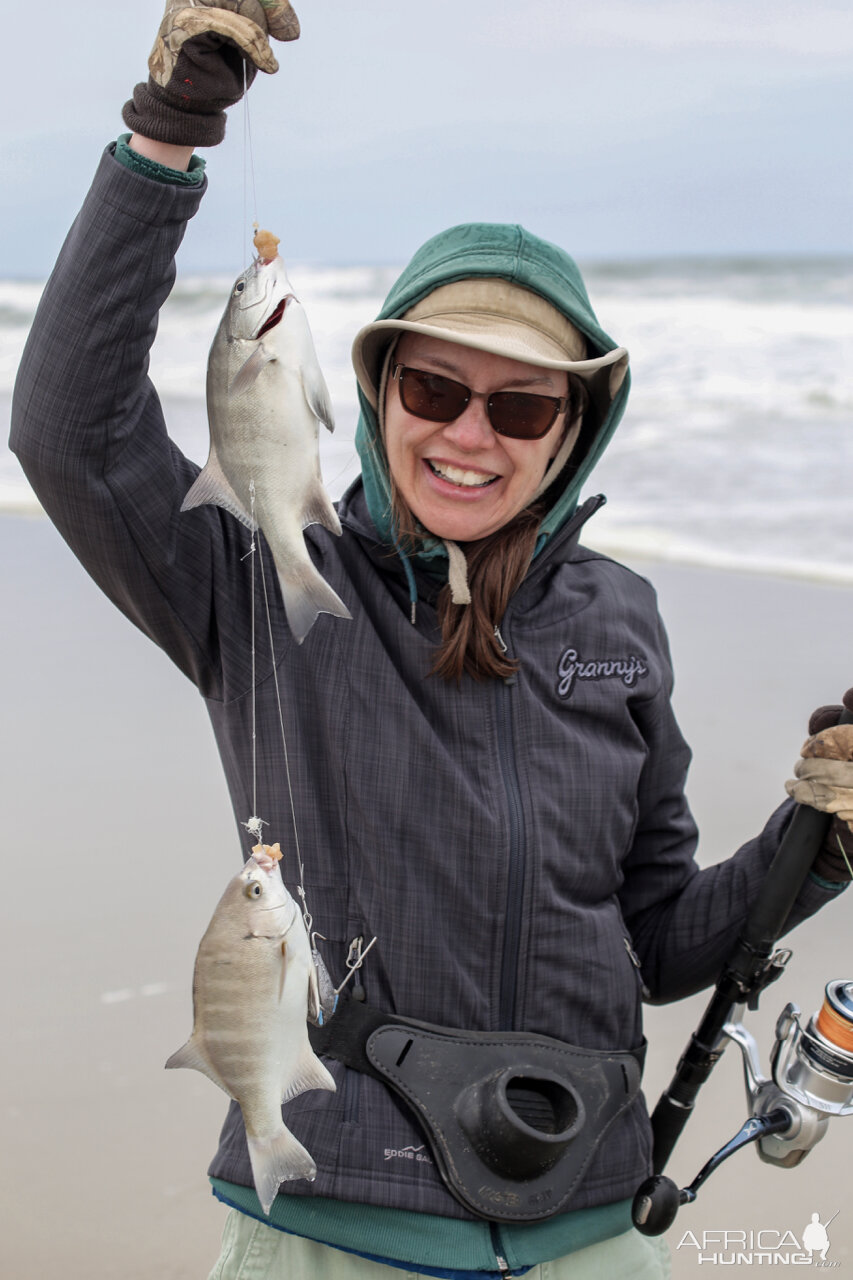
point(118, 838)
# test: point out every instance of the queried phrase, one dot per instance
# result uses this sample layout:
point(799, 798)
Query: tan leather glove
point(824, 773)
point(206, 54)
point(824, 781)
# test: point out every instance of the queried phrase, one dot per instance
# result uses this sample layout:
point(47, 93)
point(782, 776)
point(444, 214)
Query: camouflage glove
point(824, 780)
point(205, 55)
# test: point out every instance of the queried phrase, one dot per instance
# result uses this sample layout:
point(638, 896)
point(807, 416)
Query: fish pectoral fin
point(318, 509)
point(309, 1073)
point(213, 488)
point(313, 995)
point(246, 376)
point(317, 395)
point(193, 1056)
point(283, 973)
point(278, 1159)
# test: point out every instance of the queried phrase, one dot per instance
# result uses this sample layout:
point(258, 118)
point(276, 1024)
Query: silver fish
point(266, 396)
point(254, 986)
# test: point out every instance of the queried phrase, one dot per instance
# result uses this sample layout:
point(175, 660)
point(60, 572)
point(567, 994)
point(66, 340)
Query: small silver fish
point(266, 396)
point(254, 986)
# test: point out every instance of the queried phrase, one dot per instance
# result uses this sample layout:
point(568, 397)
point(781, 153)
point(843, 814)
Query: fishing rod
point(812, 1068)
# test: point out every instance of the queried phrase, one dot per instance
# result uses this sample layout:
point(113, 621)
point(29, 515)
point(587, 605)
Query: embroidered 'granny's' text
point(572, 667)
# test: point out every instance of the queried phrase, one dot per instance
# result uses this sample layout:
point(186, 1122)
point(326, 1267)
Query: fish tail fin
point(306, 594)
point(281, 1158)
point(318, 509)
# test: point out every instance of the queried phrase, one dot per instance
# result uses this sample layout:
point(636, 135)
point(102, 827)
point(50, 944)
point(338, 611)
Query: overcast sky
point(618, 128)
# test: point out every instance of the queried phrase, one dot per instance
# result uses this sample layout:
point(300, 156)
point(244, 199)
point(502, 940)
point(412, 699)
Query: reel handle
point(658, 1199)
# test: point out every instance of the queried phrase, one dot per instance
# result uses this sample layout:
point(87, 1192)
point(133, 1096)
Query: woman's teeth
point(468, 479)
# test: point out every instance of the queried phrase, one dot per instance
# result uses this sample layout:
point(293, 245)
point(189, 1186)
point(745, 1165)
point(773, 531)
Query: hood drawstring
point(410, 578)
point(457, 575)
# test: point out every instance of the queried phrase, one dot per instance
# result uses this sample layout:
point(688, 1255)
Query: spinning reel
point(811, 1081)
point(812, 1068)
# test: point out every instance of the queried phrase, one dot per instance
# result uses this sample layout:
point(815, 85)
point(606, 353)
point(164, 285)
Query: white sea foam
point(736, 449)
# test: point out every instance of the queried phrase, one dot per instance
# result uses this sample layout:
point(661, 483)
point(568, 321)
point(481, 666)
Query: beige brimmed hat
point(494, 315)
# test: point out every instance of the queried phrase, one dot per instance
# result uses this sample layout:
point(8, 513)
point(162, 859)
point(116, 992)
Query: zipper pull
point(635, 961)
point(504, 648)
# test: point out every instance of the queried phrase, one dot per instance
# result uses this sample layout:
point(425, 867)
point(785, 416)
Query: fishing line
point(306, 914)
point(248, 160)
point(254, 680)
point(255, 823)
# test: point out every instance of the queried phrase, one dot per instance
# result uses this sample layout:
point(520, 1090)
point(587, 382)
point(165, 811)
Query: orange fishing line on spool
point(835, 1027)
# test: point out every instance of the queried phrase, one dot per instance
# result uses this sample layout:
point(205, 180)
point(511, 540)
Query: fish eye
point(239, 286)
point(253, 889)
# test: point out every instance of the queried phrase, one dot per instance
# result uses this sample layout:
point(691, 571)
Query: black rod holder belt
point(747, 971)
point(513, 1119)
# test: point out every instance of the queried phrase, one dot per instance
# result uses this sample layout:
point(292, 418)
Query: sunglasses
point(517, 414)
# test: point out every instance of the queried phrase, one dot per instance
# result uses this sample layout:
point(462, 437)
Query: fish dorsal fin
point(317, 395)
point(213, 488)
point(193, 1056)
point(318, 509)
point(248, 373)
point(309, 1073)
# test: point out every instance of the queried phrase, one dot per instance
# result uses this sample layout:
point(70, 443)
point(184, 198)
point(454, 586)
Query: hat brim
point(602, 375)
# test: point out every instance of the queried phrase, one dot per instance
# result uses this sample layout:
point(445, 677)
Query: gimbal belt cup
point(512, 1120)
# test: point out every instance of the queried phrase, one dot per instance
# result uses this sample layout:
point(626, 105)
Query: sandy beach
point(119, 839)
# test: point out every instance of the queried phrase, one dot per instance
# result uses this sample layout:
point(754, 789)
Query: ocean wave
point(643, 543)
point(734, 452)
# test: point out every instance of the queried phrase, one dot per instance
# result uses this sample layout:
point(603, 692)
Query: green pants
point(253, 1251)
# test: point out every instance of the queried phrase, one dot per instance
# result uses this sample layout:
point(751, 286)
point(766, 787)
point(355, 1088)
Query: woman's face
point(461, 479)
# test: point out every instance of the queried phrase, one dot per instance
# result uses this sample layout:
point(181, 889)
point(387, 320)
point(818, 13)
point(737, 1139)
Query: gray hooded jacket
point(512, 845)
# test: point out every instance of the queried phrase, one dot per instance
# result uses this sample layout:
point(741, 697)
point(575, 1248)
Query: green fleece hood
point(482, 249)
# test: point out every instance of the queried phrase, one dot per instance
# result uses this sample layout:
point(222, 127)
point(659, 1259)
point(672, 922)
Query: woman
point(487, 772)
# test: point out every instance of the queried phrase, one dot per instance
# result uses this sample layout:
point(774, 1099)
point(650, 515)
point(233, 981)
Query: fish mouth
point(275, 318)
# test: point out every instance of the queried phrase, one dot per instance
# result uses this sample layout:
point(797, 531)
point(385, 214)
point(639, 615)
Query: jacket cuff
point(193, 177)
point(831, 886)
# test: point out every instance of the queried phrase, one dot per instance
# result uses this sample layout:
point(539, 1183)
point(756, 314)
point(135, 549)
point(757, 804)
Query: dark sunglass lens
point(430, 396)
point(522, 416)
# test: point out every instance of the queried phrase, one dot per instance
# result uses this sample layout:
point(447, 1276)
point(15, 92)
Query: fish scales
point(266, 397)
point(254, 987)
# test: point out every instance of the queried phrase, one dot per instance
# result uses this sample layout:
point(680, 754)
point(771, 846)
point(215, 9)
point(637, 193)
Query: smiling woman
point(487, 402)
point(515, 833)
point(465, 483)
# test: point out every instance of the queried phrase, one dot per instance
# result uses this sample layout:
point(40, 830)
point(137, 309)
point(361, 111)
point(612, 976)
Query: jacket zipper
point(509, 776)
point(516, 858)
point(497, 1248)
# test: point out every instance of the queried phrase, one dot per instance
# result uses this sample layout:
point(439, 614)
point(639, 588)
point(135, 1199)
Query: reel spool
point(834, 1022)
